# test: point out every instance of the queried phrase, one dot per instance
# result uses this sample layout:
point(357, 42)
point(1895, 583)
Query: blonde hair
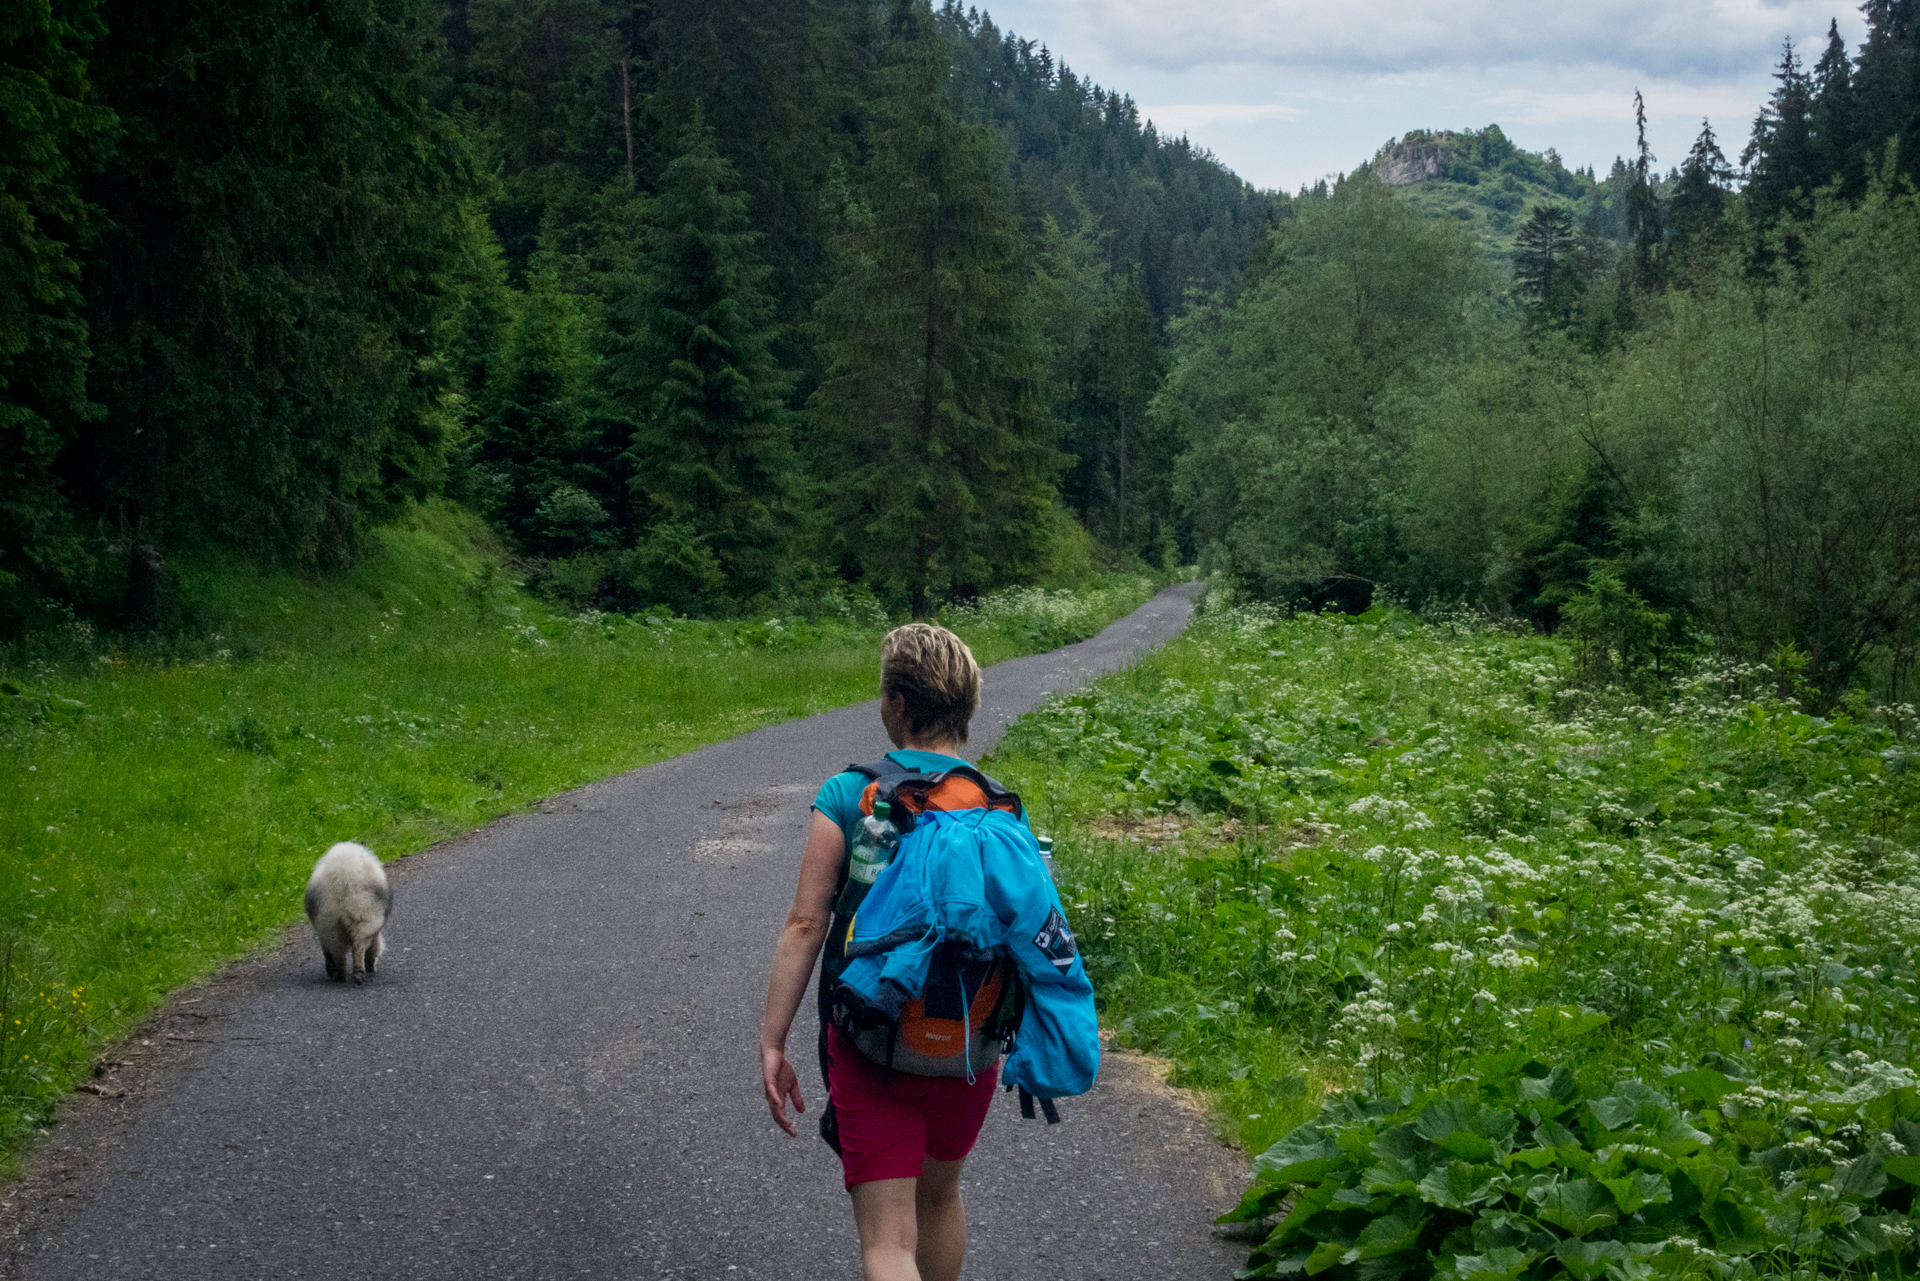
point(934, 672)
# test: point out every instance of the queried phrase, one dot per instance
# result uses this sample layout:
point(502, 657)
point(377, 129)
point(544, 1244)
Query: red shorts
point(890, 1122)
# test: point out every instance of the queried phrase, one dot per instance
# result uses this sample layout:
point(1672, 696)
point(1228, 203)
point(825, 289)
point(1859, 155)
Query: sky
point(1286, 92)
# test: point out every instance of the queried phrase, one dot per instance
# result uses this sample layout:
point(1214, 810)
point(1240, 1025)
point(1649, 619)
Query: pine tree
point(713, 451)
point(942, 458)
point(1782, 171)
point(1699, 205)
point(1832, 120)
point(1540, 267)
point(534, 461)
point(544, 79)
point(52, 127)
point(1886, 86)
point(1645, 227)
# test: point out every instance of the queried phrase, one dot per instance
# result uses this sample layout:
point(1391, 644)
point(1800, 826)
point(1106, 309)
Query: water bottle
point(875, 842)
point(1046, 856)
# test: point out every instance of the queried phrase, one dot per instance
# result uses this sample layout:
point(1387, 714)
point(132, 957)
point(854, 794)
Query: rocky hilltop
point(1415, 158)
point(1481, 178)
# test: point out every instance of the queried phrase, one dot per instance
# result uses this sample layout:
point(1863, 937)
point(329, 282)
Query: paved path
point(531, 1088)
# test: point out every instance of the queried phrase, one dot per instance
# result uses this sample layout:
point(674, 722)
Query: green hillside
point(1479, 177)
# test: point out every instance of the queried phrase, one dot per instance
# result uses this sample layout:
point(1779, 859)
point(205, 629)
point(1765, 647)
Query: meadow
point(1504, 974)
point(161, 805)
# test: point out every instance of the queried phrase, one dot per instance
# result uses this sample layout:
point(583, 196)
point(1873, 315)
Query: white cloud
point(1682, 39)
point(1285, 92)
point(1175, 118)
point(1727, 103)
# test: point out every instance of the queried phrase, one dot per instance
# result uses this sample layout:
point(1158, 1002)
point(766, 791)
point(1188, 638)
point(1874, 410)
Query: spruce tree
point(1645, 226)
point(1540, 267)
point(942, 463)
point(1782, 172)
point(1833, 118)
point(544, 81)
point(1699, 205)
point(1886, 86)
point(536, 438)
point(713, 450)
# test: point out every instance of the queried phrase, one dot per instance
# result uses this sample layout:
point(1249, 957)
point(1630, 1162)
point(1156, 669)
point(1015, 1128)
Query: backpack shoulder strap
point(885, 767)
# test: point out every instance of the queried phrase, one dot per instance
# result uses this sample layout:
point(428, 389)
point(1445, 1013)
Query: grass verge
point(160, 810)
point(1351, 873)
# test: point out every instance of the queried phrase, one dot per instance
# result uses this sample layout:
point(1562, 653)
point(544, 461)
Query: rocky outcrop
point(1414, 158)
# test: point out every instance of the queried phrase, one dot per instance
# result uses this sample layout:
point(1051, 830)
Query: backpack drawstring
point(966, 1023)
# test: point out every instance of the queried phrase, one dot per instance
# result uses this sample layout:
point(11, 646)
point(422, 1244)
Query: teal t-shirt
point(839, 796)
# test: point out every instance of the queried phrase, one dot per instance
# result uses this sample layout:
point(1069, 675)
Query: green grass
point(160, 810)
point(1398, 863)
point(1311, 852)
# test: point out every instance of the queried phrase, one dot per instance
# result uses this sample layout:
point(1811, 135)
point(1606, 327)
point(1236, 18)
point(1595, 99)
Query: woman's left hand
point(781, 1083)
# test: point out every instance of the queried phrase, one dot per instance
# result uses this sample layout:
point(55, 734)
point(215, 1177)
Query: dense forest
point(747, 307)
point(1681, 414)
point(709, 306)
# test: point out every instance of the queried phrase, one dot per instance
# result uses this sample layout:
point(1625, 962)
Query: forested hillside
point(1478, 177)
point(1684, 418)
point(729, 308)
point(708, 306)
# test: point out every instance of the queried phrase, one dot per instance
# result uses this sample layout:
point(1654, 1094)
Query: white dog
point(348, 902)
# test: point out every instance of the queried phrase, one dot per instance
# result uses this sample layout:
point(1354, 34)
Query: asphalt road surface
point(554, 1074)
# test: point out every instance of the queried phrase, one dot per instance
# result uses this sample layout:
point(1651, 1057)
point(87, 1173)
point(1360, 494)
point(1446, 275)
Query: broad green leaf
point(1300, 1156)
point(1863, 1177)
point(1673, 1134)
point(1466, 1129)
point(1395, 1175)
point(1437, 1120)
point(1636, 1190)
point(1398, 1141)
point(1502, 1264)
point(1904, 1168)
point(1554, 1134)
point(1880, 1233)
point(1585, 1260)
point(1390, 1234)
point(1578, 1205)
point(1733, 1224)
point(1614, 1112)
point(1307, 1202)
point(1389, 1267)
point(1551, 1094)
point(1495, 1068)
point(1456, 1184)
point(1326, 1255)
point(1706, 1174)
point(1703, 1084)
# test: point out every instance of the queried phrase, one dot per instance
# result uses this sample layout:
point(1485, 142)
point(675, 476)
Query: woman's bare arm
point(793, 958)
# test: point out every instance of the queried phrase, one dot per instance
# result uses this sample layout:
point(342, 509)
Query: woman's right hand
point(781, 1083)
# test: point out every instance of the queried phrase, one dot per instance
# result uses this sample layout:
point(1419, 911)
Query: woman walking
point(902, 1138)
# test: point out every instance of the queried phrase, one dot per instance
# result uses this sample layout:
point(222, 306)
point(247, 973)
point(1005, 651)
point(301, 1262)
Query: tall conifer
point(1699, 204)
point(1782, 171)
point(713, 451)
point(1646, 229)
point(1886, 85)
point(942, 457)
point(1832, 120)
